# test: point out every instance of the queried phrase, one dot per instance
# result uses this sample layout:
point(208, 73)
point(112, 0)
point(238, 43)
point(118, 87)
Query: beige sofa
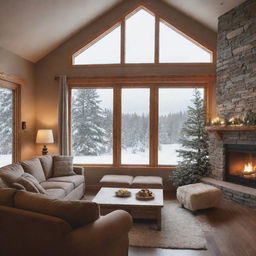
point(34, 225)
point(41, 168)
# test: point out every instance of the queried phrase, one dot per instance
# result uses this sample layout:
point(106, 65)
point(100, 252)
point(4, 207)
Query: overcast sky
point(171, 100)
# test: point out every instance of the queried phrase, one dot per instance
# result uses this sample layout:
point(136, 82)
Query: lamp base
point(44, 150)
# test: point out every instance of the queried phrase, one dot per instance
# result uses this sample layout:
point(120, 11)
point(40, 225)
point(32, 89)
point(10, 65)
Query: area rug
point(180, 230)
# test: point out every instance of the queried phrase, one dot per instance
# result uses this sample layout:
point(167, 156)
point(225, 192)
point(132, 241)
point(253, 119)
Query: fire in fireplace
point(241, 164)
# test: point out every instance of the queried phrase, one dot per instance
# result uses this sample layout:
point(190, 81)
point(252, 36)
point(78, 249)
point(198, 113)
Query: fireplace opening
point(241, 164)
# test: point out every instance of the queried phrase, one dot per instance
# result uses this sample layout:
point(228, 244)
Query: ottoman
point(147, 182)
point(116, 181)
point(198, 196)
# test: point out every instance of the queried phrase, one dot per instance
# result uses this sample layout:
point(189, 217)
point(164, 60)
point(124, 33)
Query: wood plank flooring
point(230, 230)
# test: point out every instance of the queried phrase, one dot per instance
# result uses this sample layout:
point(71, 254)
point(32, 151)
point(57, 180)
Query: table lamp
point(44, 137)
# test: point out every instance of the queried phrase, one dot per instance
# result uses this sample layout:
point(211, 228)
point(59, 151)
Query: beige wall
point(21, 68)
point(58, 61)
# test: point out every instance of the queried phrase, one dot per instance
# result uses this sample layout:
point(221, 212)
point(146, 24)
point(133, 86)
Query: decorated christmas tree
point(194, 160)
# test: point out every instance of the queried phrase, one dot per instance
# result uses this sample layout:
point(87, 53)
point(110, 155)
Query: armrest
point(78, 170)
point(105, 231)
point(30, 233)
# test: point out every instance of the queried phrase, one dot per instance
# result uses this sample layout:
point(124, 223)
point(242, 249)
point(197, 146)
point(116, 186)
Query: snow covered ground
point(166, 156)
point(5, 160)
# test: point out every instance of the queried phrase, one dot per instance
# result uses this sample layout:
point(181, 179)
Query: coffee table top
point(107, 197)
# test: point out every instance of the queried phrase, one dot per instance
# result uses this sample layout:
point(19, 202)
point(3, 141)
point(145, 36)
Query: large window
point(9, 120)
point(135, 39)
point(135, 126)
point(92, 126)
point(122, 126)
point(6, 126)
point(173, 106)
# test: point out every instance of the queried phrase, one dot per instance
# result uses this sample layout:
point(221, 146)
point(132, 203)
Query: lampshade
point(44, 136)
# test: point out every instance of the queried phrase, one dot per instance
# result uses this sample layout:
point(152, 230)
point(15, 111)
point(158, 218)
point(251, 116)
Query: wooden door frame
point(14, 83)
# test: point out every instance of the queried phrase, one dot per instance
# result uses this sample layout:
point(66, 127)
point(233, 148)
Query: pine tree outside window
point(92, 126)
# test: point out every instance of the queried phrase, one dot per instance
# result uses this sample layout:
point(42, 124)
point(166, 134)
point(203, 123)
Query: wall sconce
point(44, 137)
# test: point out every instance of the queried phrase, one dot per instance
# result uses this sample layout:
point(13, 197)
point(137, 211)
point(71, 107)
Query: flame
point(248, 168)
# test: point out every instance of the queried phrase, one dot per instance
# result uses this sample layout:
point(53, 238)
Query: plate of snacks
point(123, 192)
point(145, 194)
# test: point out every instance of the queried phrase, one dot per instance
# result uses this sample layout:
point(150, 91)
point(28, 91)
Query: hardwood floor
point(230, 230)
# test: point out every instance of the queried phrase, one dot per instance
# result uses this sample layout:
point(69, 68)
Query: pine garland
point(194, 155)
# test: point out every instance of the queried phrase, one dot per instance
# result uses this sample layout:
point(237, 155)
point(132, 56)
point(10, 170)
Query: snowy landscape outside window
point(92, 126)
point(135, 126)
point(173, 106)
point(6, 128)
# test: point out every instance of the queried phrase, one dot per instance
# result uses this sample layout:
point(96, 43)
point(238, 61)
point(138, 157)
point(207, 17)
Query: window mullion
point(122, 41)
point(153, 126)
point(157, 39)
point(117, 127)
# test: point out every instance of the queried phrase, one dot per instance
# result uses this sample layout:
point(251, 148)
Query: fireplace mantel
point(219, 130)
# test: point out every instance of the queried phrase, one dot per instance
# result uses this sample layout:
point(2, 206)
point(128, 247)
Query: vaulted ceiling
point(32, 29)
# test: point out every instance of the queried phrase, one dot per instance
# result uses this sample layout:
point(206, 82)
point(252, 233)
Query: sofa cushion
point(55, 193)
point(66, 186)
point(62, 166)
point(10, 173)
point(7, 196)
point(33, 166)
point(76, 213)
point(147, 182)
point(47, 164)
point(76, 180)
point(111, 180)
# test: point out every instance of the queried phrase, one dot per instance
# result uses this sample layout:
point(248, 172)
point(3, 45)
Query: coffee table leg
point(159, 219)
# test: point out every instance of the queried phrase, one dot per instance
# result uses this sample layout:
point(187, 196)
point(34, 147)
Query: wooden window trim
point(13, 83)
point(153, 84)
point(121, 22)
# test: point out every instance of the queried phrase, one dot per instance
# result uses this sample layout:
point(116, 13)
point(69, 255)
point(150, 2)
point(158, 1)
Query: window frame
point(14, 84)
point(206, 82)
point(158, 19)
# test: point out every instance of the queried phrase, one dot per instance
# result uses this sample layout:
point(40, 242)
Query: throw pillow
point(17, 186)
point(27, 184)
point(47, 164)
point(63, 166)
point(35, 182)
point(33, 166)
point(10, 173)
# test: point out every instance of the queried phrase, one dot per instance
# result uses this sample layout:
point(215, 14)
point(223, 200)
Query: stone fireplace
point(235, 95)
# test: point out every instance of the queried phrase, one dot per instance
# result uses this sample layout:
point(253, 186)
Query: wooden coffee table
point(151, 209)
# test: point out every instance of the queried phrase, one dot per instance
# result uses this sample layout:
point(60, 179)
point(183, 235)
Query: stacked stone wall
point(236, 77)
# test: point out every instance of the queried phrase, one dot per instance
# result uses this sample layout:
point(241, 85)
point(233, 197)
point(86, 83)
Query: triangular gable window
point(175, 47)
point(139, 43)
point(140, 37)
point(104, 50)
